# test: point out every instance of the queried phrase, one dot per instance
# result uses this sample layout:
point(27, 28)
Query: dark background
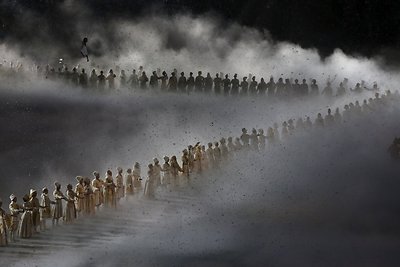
point(358, 27)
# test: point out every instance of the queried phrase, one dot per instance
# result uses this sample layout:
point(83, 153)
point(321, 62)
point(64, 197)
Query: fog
point(321, 198)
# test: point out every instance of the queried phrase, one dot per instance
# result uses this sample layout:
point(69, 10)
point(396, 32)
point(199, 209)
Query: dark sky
point(365, 27)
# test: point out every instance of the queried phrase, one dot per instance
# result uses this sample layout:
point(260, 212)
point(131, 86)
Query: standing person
point(122, 79)
point(182, 83)
point(227, 84)
point(70, 210)
point(102, 81)
point(109, 194)
point(129, 182)
point(80, 197)
point(15, 210)
point(25, 226)
point(83, 79)
point(185, 163)
point(166, 168)
point(84, 51)
point(271, 87)
point(58, 207)
point(154, 80)
point(93, 79)
point(172, 83)
point(253, 86)
point(175, 169)
point(98, 191)
point(149, 188)
point(235, 85)
point(119, 181)
point(89, 205)
point(190, 82)
point(210, 155)
point(217, 84)
point(245, 86)
point(157, 172)
point(199, 82)
point(45, 208)
point(314, 87)
point(111, 79)
point(164, 81)
point(143, 80)
point(34, 203)
point(133, 80)
point(208, 83)
point(3, 226)
point(137, 179)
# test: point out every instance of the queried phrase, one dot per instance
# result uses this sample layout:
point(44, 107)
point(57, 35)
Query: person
point(133, 80)
point(199, 82)
point(217, 155)
point(3, 226)
point(34, 203)
point(98, 193)
point(143, 80)
point(227, 85)
point(80, 197)
point(270, 135)
point(276, 131)
point(261, 139)
point(253, 86)
point(254, 139)
point(70, 210)
point(164, 81)
point(109, 192)
point(357, 89)
point(262, 87)
point(129, 182)
point(89, 204)
point(172, 83)
point(119, 183)
point(314, 87)
point(185, 162)
point(190, 82)
point(137, 179)
point(341, 90)
point(285, 130)
point(93, 79)
point(235, 85)
point(328, 92)
point(208, 83)
point(25, 227)
point(245, 138)
point(122, 79)
point(319, 121)
point(154, 80)
point(149, 188)
point(231, 145)
point(157, 172)
point(102, 81)
point(15, 209)
point(45, 208)
point(223, 149)
point(304, 88)
point(83, 79)
point(182, 83)
point(329, 118)
point(111, 79)
point(280, 87)
point(166, 169)
point(175, 169)
point(295, 89)
point(75, 77)
point(238, 144)
point(191, 157)
point(271, 87)
point(84, 51)
point(217, 84)
point(58, 207)
point(245, 86)
point(210, 155)
point(198, 158)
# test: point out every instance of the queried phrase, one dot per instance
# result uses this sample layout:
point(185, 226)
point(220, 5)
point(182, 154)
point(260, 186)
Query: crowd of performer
point(88, 196)
point(219, 84)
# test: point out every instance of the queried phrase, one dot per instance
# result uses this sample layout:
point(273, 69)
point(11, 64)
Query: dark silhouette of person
point(235, 85)
point(245, 86)
point(280, 87)
point(143, 80)
point(314, 87)
point(75, 77)
point(287, 89)
point(217, 84)
point(164, 80)
point(328, 92)
point(199, 82)
point(296, 88)
point(154, 80)
point(341, 90)
point(262, 87)
point(304, 88)
point(190, 82)
point(182, 83)
point(102, 81)
point(271, 87)
point(253, 86)
point(83, 79)
point(208, 83)
point(227, 84)
point(172, 83)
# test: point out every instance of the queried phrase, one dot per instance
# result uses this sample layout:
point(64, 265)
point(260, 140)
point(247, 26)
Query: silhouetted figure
point(93, 79)
point(329, 118)
point(280, 88)
point(341, 90)
point(227, 84)
point(190, 82)
point(253, 86)
point(182, 83)
point(319, 121)
point(133, 80)
point(328, 92)
point(143, 80)
point(245, 86)
point(304, 88)
point(172, 83)
point(235, 85)
point(83, 79)
point(217, 84)
point(314, 88)
point(296, 88)
point(111, 79)
point(75, 77)
point(84, 51)
point(288, 89)
point(271, 87)
point(154, 80)
point(262, 87)
point(102, 81)
point(208, 83)
point(357, 89)
point(122, 79)
point(164, 81)
point(199, 82)
point(245, 138)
